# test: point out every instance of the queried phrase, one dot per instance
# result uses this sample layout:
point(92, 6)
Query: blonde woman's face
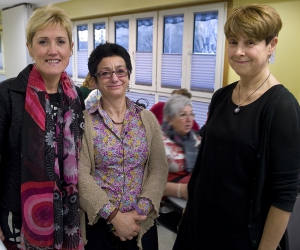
point(51, 50)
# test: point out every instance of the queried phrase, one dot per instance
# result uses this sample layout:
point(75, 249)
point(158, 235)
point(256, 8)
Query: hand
point(127, 225)
point(1, 235)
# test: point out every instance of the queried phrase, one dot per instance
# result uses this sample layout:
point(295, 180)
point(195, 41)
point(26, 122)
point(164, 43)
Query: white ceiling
point(35, 3)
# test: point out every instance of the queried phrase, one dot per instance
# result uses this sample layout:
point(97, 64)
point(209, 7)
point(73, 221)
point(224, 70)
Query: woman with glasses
point(157, 109)
point(181, 146)
point(123, 167)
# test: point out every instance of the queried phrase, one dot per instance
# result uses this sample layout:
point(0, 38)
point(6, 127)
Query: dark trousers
point(99, 237)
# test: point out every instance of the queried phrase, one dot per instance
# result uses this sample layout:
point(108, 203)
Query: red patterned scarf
point(49, 179)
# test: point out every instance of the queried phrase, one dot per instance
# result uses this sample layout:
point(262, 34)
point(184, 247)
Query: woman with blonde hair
point(41, 125)
point(88, 86)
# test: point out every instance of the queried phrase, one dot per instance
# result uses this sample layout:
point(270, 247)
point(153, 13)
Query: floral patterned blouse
point(120, 159)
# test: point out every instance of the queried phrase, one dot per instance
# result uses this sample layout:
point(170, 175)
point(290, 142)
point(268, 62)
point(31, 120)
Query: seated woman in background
point(157, 109)
point(123, 167)
point(87, 86)
point(181, 146)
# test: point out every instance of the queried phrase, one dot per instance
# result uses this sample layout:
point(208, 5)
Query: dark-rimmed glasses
point(105, 74)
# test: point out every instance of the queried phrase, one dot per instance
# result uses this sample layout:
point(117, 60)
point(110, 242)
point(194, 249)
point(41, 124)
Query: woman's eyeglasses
point(105, 74)
point(184, 116)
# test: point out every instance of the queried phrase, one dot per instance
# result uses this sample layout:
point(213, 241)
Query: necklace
point(237, 109)
point(117, 123)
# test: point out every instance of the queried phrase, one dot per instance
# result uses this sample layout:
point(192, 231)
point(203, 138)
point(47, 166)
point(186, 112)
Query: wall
point(79, 9)
point(286, 67)
point(18, 58)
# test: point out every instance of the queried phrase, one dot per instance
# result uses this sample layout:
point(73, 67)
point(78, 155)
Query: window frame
point(187, 46)
point(90, 24)
point(135, 17)
point(219, 67)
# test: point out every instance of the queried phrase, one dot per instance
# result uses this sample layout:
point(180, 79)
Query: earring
point(128, 88)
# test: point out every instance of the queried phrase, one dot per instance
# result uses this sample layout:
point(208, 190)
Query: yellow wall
point(77, 9)
point(286, 67)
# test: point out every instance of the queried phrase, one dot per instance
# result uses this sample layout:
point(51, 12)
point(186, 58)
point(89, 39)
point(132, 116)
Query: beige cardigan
point(92, 198)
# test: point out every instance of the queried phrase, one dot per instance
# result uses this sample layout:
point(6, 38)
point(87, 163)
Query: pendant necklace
point(237, 109)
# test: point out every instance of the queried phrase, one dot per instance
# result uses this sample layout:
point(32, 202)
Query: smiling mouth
point(114, 86)
point(242, 62)
point(53, 61)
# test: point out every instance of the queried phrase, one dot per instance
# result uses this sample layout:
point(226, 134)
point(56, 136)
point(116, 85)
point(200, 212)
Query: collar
point(20, 82)
point(97, 106)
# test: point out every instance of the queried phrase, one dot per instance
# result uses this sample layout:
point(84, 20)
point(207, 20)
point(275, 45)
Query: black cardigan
point(12, 102)
point(285, 161)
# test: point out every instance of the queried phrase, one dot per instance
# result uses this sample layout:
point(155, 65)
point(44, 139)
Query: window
point(144, 51)
point(204, 51)
point(171, 70)
point(82, 50)
point(169, 49)
point(99, 33)
point(144, 33)
point(122, 33)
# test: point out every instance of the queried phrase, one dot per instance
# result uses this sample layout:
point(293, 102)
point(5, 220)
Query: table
point(178, 201)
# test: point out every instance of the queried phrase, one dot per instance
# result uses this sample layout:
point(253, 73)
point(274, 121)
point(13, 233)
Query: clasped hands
point(127, 225)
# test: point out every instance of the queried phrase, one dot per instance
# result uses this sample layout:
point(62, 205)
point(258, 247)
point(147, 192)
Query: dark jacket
point(275, 181)
point(283, 165)
point(12, 102)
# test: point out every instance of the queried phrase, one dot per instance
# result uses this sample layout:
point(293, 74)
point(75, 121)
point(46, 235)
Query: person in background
point(41, 125)
point(123, 167)
point(88, 86)
point(157, 109)
point(92, 98)
point(245, 181)
point(181, 146)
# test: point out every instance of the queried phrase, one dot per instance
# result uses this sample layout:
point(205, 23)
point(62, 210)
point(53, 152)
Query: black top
point(235, 182)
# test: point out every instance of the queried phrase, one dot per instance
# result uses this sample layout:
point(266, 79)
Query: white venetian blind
point(143, 68)
point(171, 70)
point(203, 72)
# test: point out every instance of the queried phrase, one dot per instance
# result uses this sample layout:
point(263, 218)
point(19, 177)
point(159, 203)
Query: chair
point(291, 237)
point(172, 219)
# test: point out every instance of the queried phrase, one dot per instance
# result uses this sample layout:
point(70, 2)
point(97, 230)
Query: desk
point(178, 201)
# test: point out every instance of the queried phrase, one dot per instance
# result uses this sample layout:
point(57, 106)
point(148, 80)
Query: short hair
point(107, 50)
point(45, 16)
point(256, 21)
point(175, 105)
point(183, 92)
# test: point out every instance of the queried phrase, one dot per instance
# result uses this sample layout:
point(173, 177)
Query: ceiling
point(36, 3)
